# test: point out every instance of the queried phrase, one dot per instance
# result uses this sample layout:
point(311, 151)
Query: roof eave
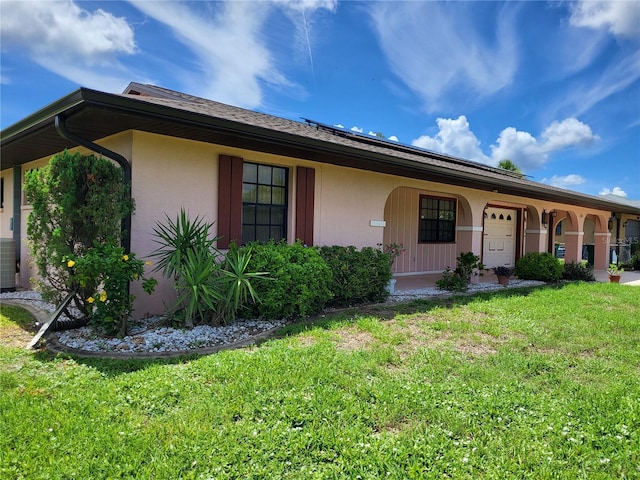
point(84, 97)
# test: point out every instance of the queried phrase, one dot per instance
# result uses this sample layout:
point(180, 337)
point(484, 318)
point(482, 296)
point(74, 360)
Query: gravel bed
point(153, 335)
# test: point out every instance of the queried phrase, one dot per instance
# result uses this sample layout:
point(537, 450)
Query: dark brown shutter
point(305, 188)
point(229, 200)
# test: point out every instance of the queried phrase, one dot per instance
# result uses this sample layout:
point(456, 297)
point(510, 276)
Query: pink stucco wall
point(352, 207)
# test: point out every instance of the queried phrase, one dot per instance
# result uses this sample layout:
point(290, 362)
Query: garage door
point(499, 246)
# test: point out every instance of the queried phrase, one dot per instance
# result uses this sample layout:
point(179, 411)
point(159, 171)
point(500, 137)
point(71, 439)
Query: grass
point(543, 383)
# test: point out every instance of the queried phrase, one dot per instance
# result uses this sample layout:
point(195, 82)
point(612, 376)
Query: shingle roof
point(336, 136)
point(93, 115)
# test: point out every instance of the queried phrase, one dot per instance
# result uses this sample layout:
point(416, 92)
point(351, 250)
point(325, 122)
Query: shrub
point(453, 281)
point(358, 276)
point(300, 280)
point(539, 266)
point(77, 200)
point(457, 280)
point(108, 269)
point(578, 272)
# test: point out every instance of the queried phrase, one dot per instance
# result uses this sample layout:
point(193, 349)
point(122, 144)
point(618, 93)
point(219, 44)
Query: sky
point(552, 86)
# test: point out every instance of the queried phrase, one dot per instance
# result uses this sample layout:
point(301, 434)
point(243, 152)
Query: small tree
point(78, 201)
point(507, 164)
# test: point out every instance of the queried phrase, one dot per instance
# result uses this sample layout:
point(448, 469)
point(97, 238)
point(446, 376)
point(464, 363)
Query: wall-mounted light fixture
point(545, 218)
point(610, 222)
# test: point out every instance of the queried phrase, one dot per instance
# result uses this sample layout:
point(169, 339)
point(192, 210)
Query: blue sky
point(552, 86)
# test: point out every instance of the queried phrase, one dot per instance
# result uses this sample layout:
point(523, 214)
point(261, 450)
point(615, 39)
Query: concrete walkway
point(414, 282)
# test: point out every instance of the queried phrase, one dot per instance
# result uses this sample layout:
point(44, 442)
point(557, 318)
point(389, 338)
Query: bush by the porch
point(539, 266)
point(359, 276)
point(300, 280)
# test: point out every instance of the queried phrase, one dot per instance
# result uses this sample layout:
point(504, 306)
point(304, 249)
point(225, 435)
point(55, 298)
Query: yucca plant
point(177, 238)
point(186, 254)
point(199, 286)
point(238, 287)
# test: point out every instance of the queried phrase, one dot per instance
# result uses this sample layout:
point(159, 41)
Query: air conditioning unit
point(7, 264)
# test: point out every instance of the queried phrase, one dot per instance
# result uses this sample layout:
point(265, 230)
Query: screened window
point(437, 220)
point(264, 203)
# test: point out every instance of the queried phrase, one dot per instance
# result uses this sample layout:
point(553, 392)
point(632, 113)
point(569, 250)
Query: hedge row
point(303, 280)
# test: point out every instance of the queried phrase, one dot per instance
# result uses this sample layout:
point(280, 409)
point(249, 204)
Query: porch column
point(469, 239)
point(601, 250)
point(535, 241)
point(573, 246)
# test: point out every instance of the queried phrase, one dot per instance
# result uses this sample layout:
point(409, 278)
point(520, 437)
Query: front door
point(499, 246)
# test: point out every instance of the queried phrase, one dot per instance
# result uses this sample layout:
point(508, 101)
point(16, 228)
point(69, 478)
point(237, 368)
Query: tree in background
point(507, 164)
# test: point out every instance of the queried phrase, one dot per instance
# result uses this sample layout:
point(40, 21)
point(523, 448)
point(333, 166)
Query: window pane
point(262, 215)
point(248, 214)
point(279, 177)
point(264, 194)
point(249, 193)
point(250, 172)
point(278, 196)
point(264, 174)
point(248, 233)
point(277, 233)
point(277, 216)
point(262, 233)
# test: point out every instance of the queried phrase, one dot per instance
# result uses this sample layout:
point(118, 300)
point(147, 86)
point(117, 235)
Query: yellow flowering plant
point(111, 269)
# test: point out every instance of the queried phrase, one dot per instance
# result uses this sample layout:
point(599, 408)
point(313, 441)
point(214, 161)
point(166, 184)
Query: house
point(259, 176)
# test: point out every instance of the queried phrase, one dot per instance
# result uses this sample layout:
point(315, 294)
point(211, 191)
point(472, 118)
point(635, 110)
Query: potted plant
point(470, 267)
point(392, 251)
point(503, 273)
point(614, 272)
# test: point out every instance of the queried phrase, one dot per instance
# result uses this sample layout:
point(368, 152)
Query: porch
point(415, 282)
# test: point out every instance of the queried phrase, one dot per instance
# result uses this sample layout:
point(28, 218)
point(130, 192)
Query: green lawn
point(541, 383)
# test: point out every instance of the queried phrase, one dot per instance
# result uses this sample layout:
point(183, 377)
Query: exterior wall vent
point(7, 264)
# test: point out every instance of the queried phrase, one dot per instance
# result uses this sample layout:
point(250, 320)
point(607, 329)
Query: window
point(437, 220)
point(264, 203)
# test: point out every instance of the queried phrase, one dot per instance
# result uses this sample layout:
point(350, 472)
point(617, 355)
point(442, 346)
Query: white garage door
point(499, 246)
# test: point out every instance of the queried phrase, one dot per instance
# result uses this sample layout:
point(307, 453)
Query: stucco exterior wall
point(6, 209)
point(352, 207)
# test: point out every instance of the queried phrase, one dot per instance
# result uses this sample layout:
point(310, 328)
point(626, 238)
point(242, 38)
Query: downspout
point(125, 227)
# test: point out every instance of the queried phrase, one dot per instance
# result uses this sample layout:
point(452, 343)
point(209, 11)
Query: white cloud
point(455, 138)
point(233, 59)
point(393, 138)
point(616, 191)
point(620, 18)
point(228, 40)
point(438, 49)
point(565, 181)
point(357, 129)
point(568, 133)
point(522, 148)
point(73, 42)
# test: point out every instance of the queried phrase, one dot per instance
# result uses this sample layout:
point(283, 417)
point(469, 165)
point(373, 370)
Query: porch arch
point(402, 221)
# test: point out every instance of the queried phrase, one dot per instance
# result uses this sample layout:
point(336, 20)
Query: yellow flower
point(103, 296)
point(70, 263)
point(91, 299)
point(148, 262)
point(125, 257)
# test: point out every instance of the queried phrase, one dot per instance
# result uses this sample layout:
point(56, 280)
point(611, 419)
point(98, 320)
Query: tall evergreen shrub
point(77, 200)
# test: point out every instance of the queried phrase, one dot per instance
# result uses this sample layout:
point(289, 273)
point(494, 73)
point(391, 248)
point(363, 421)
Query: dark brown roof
point(93, 115)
